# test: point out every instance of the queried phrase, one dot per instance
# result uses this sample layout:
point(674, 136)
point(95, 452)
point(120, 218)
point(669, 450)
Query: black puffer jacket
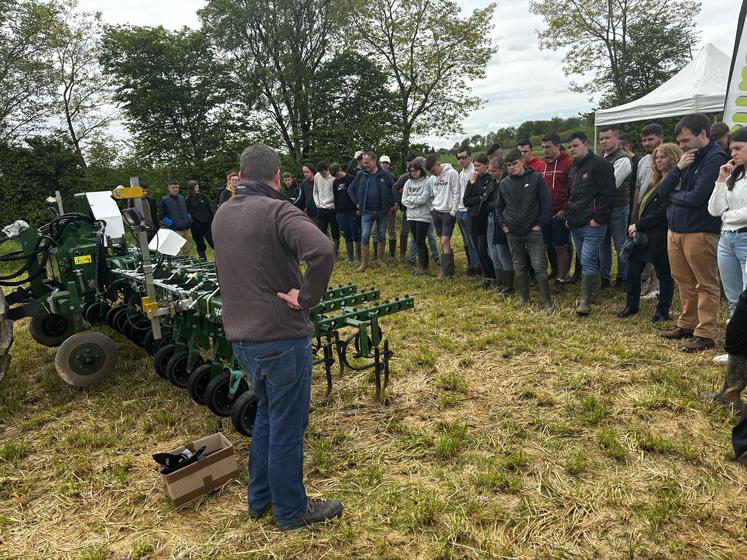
point(481, 196)
point(591, 191)
point(523, 202)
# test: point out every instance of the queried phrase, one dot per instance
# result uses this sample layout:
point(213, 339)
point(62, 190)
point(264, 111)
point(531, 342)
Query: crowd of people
point(677, 216)
point(682, 208)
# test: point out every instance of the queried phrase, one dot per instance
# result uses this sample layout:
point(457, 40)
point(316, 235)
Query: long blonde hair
point(673, 153)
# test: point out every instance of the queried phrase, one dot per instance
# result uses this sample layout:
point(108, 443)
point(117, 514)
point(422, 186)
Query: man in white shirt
point(324, 198)
point(464, 156)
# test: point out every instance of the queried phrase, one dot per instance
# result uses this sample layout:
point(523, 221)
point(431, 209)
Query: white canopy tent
point(700, 87)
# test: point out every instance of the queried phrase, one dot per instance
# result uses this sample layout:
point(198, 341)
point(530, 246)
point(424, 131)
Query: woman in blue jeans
point(650, 218)
point(729, 201)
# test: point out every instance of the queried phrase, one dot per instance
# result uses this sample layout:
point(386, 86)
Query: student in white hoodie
point(417, 197)
point(446, 190)
point(324, 198)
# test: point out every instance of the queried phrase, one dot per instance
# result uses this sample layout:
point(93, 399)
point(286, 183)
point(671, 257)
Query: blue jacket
point(364, 182)
point(175, 209)
point(688, 209)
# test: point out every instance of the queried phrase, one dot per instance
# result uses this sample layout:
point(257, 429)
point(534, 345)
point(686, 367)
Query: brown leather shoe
point(697, 344)
point(677, 333)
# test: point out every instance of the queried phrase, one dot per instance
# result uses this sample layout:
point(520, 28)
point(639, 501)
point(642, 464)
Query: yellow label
point(83, 259)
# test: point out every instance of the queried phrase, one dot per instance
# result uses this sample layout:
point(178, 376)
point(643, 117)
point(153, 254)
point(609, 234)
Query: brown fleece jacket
point(260, 240)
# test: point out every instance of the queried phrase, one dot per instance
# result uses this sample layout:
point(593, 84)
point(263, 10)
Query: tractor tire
point(112, 313)
point(51, 329)
point(177, 371)
point(216, 394)
point(243, 413)
point(161, 359)
point(86, 358)
point(96, 313)
point(198, 382)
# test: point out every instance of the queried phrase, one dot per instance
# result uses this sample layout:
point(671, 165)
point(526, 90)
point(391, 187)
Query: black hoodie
point(591, 191)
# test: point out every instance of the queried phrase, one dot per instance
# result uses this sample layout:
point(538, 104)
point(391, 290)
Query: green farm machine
point(79, 270)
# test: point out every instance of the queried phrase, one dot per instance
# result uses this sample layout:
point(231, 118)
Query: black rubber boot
point(392, 248)
point(202, 255)
point(588, 283)
point(544, 289)
point(350, 251)
point(735, 381)
point(336, 243)
point(507, 281)
point(522, 283)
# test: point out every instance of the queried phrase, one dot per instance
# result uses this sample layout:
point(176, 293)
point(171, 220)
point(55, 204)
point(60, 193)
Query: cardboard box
point(217, 466)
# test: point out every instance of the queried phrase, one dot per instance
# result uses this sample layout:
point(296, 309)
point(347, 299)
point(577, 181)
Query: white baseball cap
point(385, 159)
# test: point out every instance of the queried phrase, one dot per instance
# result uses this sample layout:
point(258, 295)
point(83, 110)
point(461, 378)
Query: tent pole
point(595, 138)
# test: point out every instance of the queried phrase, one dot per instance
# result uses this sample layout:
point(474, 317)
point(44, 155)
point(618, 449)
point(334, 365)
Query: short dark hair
point(493, 149)
point(321, 165)
point(310, 166)
point(551, 137)
point(653, 129)
point(334, 168)
point(524, 142)
point(695, 123)
point(718, 130)
point(431, 161)
point(626, 140)
point(173, 182)
point(191, 184)
point(578, 135)
point(482, 158)
point(372, 155)
point(259, 162)
point(466, 149)
point(610, 128)
point(143, 185)
point(410, 157)
point(514, 155)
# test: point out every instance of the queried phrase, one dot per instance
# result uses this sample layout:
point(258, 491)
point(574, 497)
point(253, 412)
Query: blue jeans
point(617, 233)
point(666, 284)
point(463, 221)
point(348, 225)
point(732, 259)
point(368, 217)
point(588, 240)
point(500, 254)
point(280, 372)
point(431, 238)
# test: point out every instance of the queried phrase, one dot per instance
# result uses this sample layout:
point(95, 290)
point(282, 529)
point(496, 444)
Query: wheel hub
point(87, 359)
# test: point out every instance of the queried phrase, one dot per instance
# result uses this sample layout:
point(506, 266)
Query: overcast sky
point(522, 82)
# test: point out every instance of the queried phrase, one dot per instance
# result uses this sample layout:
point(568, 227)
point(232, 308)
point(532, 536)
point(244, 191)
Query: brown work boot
point(677, 333)
point(698, 344)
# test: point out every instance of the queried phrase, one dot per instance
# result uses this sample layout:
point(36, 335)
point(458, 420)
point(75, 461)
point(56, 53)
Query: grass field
point(508, 432)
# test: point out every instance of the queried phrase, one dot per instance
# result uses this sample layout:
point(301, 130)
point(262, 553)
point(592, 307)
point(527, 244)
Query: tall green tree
point(180, 106)
point(82, 92)
point(629, 46)
point(432, 55)
point(25, 65)
point(276, 48)
point(351, 108)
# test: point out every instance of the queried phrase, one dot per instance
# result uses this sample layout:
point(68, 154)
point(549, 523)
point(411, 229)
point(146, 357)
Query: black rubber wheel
point(85, 358)
point(96, 313)
point(136, 327)
point(177, 371)
point(243, 413)
point(161, 359)
point(198, 382)
point(120, 320)
point(112, 313)
point(216, 394)
point(51, 329)
point(152, 345)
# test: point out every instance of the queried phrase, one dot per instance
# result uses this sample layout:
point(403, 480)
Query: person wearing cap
point(356, 164)
point(391, 223)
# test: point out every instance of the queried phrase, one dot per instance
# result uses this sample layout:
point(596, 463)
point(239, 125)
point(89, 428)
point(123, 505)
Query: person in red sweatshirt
point(530, 160)
point(554, 169)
